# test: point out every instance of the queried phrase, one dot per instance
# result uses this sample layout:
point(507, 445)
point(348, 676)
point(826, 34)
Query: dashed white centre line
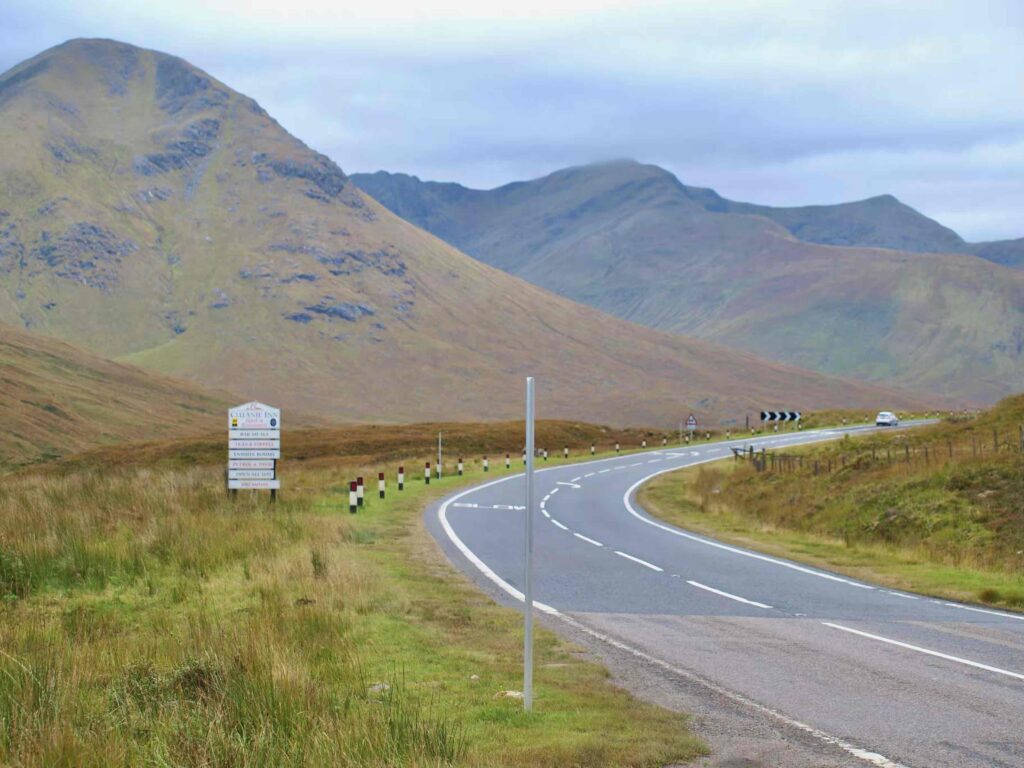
point(638, 560)
point(587, 539)
point(590, 474)
point(720, 593)
point(927, 651)
point(602, 471)
point(559, 524)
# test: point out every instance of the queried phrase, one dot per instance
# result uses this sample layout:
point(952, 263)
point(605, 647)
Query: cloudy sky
point(771, 101)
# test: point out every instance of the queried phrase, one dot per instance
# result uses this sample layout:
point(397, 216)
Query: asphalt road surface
point(862, 674)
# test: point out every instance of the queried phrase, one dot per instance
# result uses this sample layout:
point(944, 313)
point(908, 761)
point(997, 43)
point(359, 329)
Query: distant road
point(870, 675)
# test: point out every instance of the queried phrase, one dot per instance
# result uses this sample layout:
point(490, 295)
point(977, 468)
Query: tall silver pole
point(438, 455)
point(528, 581)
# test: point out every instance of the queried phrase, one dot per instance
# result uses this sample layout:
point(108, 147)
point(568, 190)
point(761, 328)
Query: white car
point(887, 419)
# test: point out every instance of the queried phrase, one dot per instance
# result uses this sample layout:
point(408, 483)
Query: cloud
point(776, 102)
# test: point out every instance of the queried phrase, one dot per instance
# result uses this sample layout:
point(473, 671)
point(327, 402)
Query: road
point(857, 673)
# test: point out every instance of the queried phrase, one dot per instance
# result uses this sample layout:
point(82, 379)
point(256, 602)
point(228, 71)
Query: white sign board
point(254, 416)
point(251, 464)
point(691, 423)
point(254, 446)
point(255, 454)
point(254, 485)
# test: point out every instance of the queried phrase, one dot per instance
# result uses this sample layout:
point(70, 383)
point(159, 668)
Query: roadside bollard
point(727, 434)
point(592, 447)
point(401, 478)
point(460, 466)
point(664, 442)
point(508, 461)
point(545, 454)
point(439, 470)
point(643, 443)
point(616, 447)
point(486, 464)
point(566, 453)
point(380, 484)
point(426, 474)
point(353, 497)
point(524, 458)
point(361, 491)
point(707, 435)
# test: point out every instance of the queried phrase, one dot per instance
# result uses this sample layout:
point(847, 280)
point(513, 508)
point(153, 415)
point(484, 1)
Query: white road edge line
point(719, 545)
point(900, 594)
point(587, 539)
point(737, 598)
point(1018, 617)
point(928, 651)
point(638, 560)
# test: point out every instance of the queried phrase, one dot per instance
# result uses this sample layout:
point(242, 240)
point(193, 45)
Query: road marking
point(601, 472)
point(638, 560)
point(571, 485)
point(590, 474)
point(980, 610)
point(927, 651)
point(575, 480)
point(553, 492)
point(469, 505)
point(719, 545)
point(621, 466)
point(638, 464)
point(737, 598)
point(873, 758)
point(559, 524)
point(545, 513)
point(480, 565)
point(587, 539)
point(654, 461)
point(900, 594)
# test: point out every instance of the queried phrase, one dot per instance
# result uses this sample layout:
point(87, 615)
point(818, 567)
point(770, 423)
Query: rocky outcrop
point(86, 253)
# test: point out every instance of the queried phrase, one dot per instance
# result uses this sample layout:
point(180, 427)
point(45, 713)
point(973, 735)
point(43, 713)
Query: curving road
point(861, 674)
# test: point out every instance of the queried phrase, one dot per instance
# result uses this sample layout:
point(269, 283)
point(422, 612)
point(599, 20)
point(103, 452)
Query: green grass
point(147, 619)
point(945, 522)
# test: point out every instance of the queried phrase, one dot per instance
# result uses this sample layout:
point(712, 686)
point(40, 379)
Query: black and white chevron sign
point(780, 415)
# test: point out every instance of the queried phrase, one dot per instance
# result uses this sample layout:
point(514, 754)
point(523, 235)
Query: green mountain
point(822, 287)
point(151, 214)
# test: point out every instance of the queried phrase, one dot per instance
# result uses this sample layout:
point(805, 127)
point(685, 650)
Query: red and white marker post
point(426, 474)
point(380, 484)
point(360, 491)
point(353, 497)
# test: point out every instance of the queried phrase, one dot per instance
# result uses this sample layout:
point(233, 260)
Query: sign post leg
point(528, 581)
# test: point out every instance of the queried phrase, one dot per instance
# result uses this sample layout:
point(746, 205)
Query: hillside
point(151, 214)
point(59, 400)
point(633, 241)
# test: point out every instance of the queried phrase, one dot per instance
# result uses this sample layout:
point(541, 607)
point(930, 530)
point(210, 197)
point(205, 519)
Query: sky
point(781, 102)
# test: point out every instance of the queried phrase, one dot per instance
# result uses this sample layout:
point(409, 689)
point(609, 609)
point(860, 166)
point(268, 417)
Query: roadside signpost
point(254, 446)
point(691, 424)
point(528, 564)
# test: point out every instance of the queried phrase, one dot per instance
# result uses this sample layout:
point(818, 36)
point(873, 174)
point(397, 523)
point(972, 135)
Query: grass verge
point(147, 619)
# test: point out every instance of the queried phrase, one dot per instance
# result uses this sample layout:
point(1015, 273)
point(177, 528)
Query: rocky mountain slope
point(151, 214)
point(59, 400)
point(822, 287)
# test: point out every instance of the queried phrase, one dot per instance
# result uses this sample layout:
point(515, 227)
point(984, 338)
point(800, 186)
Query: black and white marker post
point(426, 474)
point(401, 478)
point(591, 449)
point(616, 447)
point(486, 464)
point(508, 461)
point(528, 559)
point(380, 484)
point(565, 455)
point(460, 466)
point(353, 498)
point(360, 491)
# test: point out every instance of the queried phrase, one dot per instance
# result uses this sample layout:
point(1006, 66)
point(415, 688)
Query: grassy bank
point(146, 619)
point(936, 510)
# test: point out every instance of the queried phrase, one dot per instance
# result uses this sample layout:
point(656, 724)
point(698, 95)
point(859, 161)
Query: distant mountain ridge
point(153, 215)
point(870, 289)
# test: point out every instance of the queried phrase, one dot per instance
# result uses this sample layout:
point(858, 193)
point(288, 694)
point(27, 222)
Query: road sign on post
point(254, 446)
point(528, 564)
point(691, 423)
point(780, 415)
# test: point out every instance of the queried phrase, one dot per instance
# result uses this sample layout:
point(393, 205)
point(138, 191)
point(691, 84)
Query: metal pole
point(438, 455)
point(528, 580)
